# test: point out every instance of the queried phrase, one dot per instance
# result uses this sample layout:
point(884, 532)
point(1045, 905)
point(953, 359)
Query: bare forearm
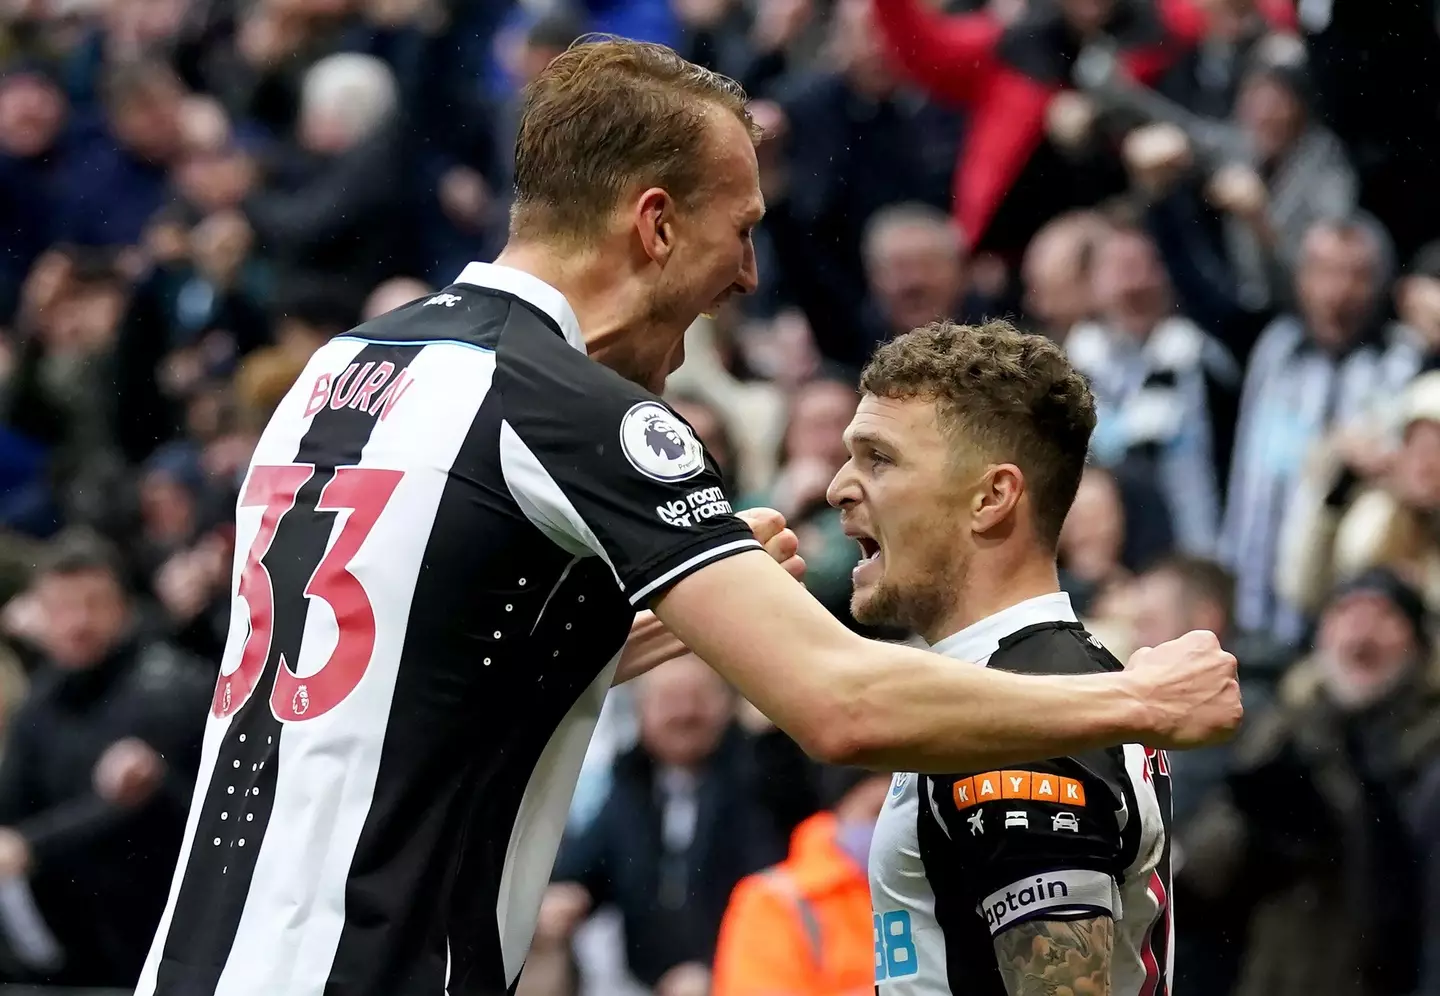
point(907, 709)
point(1044, 957)
point(650, 644)
point(855, 701)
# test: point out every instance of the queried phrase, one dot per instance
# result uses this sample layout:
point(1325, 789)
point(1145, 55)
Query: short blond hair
point(606, 117)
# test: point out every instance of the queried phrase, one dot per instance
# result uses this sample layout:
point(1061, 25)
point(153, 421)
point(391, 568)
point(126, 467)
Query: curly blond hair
point(1008, 395)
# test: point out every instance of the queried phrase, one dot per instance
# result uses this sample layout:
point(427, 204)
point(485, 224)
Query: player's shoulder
point(460, 314)
point(535, 363)
point(554, 396)
point(1053, 648)
point(1063, 648)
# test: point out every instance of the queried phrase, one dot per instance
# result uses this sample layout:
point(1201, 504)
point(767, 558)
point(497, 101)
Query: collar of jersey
point(978, 641)
point(530, 288)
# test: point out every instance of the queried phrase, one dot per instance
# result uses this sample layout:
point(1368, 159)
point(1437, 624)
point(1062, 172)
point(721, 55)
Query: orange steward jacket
point(802, 927)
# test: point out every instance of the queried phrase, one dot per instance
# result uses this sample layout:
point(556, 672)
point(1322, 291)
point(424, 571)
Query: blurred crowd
point(1222, 208)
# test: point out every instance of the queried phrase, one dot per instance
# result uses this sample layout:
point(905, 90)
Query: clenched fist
point(1189, 689)
point(779, 541)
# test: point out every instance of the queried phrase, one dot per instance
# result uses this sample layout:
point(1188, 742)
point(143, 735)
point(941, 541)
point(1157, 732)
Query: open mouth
point(869, 548)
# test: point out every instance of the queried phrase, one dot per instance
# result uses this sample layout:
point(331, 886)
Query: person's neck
point(988, 590)
point(587, 284)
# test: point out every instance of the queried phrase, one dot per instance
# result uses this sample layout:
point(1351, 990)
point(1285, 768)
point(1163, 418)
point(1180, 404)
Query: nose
point(844, 489)
point(749, 278)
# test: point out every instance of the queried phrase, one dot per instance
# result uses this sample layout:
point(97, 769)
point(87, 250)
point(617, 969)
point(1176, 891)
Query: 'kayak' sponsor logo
point(1036, 786)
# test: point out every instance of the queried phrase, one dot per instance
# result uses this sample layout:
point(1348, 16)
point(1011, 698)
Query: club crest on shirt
point(659, 445)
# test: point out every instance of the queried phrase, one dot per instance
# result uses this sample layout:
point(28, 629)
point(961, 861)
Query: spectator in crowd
point(112, 189)
point(720, 372)
point(681, 826)
point(58, 391)
point(711, 430)
point(33, 113)
point(1012, 178)
point(1112, 533)
point(332, 212)
point(1206, 79)
point(97, 774)
point(803, 927)
point(1272, 167)
point(1177, 595)
point(851, 143)
point(1056, 273)
point(526, 54)
point(812, 451)
point(748, 44)
point(188, 323)
point(1311, 372)
point(1165, 391)
point(1092, 541)
point(1183, 593)
point(1344, 521)
point(813, 447)
point(1308, 847)
point(1417, 303)
point(915, 266)
point(1416, 331)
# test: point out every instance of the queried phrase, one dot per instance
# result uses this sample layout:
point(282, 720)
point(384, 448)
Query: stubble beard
point(915, 608)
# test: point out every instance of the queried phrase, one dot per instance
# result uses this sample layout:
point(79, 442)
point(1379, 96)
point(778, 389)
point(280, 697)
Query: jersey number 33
point(363, 492)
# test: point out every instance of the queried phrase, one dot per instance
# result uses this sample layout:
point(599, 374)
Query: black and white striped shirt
point(1165, 408)
point(959, 859)
point(441, 542)
point(1294, 394)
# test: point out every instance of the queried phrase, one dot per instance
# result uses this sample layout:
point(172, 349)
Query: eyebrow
point(865, 437)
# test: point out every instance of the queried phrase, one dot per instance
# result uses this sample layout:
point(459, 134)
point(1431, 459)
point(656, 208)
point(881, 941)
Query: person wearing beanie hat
point(1373, 634)
point(1309, 850)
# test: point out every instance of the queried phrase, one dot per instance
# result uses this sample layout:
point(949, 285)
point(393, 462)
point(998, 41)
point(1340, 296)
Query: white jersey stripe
point(320, 785)
point(690, 565)
point(543, 501)
point(540, 823)
point(281, 435)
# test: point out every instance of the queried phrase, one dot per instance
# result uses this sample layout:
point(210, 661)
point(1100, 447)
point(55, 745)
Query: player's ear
point(997, 496)
point(655, 222)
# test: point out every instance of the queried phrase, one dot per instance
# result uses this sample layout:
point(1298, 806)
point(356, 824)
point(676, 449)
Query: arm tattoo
point(1057, 957)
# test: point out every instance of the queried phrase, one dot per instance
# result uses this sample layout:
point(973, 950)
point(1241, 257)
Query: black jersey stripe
point(238, 802)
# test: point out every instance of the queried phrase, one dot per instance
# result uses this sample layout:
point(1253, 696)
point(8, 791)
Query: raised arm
point(624, 478)
point(650, 644)
point(943, 53)
point(855, 701)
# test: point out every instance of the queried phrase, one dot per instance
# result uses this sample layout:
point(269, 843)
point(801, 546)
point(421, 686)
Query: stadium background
point(1224, 208)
